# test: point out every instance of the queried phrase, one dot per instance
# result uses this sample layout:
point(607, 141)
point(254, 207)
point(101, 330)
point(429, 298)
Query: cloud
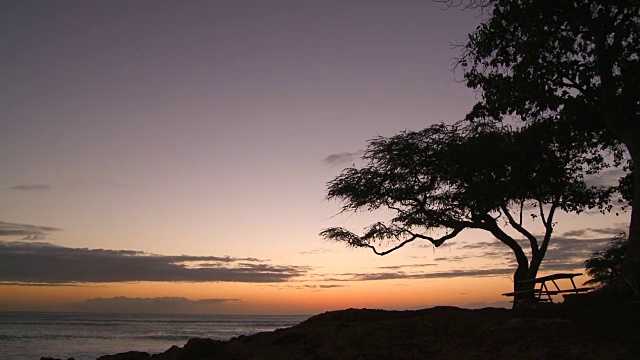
point(44, 263)
point(395, 275)
point(398, 267)
point(159, 305)
point(27, 232)
point(313, 287)
point(452, 258)
point(342, 158)
point(609, 177)
point(566, 253)
point(34, 284)
point(31, 187)
point(433, 275)
point(612, 231)
point(317, 251)
point(481, 245)
point(563, 254)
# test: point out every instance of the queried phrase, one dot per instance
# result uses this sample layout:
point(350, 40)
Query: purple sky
point(202, 127)
point(230, 103)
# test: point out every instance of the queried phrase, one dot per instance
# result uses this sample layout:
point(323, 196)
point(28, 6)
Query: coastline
point(88, 335)
point(554, 331)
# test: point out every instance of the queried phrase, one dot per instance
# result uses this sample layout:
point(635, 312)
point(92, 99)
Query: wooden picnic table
point(543, 293)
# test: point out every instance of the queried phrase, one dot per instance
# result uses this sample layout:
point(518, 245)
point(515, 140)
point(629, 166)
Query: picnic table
point(543, 293)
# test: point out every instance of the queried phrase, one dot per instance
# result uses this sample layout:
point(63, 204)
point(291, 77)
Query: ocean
point(86, 336)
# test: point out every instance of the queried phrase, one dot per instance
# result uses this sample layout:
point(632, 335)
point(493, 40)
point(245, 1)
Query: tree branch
point(548, 227)
point(436, 242)
point(379, 231)
point(375, 251)
point(442, 239)
point(552, 210)
point(495, 230)
point(521, 211)
point(542, 217)
point(532, 239)
point(536, 259)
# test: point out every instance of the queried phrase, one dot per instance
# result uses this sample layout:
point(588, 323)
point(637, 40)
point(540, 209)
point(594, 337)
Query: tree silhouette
point(577, 61)
point(605, 266)
point(485, 176)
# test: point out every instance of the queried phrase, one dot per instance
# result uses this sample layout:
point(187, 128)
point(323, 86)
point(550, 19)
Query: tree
point(576, 61)
point(485, 176)
point(605, 266)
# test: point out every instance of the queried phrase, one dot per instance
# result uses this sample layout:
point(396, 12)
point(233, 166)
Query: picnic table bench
point(543, 293)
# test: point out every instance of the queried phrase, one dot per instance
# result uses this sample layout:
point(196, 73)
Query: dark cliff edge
point(567, 331)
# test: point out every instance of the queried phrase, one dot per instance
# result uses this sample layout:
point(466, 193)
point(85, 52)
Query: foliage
point(576, 61)
point(605, 266)
point(626, 186)
point(483, 175)
point(576, 58)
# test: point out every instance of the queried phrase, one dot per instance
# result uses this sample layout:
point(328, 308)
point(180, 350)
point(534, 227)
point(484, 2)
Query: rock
point(196, 348)
point(174, 353)
point(129, 355)
point(202, 347)
point(585, 331)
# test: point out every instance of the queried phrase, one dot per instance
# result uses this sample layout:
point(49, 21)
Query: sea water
point(86, 336)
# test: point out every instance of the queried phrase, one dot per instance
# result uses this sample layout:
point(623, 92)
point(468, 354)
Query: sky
point(173, 156)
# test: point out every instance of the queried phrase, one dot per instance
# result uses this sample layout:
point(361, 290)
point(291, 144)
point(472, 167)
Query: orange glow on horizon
point(281, 298)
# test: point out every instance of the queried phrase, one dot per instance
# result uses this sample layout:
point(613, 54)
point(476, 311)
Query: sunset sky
point(172, 156)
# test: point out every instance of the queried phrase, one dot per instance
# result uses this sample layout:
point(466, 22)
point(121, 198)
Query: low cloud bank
point(41, 263)
point(565, 254)
point(25, 231)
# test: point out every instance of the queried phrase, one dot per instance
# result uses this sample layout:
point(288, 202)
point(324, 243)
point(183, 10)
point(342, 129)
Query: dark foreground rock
point(546, 332)
point(129, 355)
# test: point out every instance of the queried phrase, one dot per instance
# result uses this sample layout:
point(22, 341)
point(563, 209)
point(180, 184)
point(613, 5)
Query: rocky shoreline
point(546, 332)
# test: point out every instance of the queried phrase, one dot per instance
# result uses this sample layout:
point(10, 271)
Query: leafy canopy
point(605, 266)
point(575, 59)
point(466, 175)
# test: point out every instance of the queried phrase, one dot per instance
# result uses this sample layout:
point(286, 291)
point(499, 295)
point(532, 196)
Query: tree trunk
point(525, 272)
point(536, 261)
point(632, 261)
point(524, 292)
point(523, 263)
point(538, 256)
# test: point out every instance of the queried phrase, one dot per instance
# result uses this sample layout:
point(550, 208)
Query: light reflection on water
point(85, 336)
